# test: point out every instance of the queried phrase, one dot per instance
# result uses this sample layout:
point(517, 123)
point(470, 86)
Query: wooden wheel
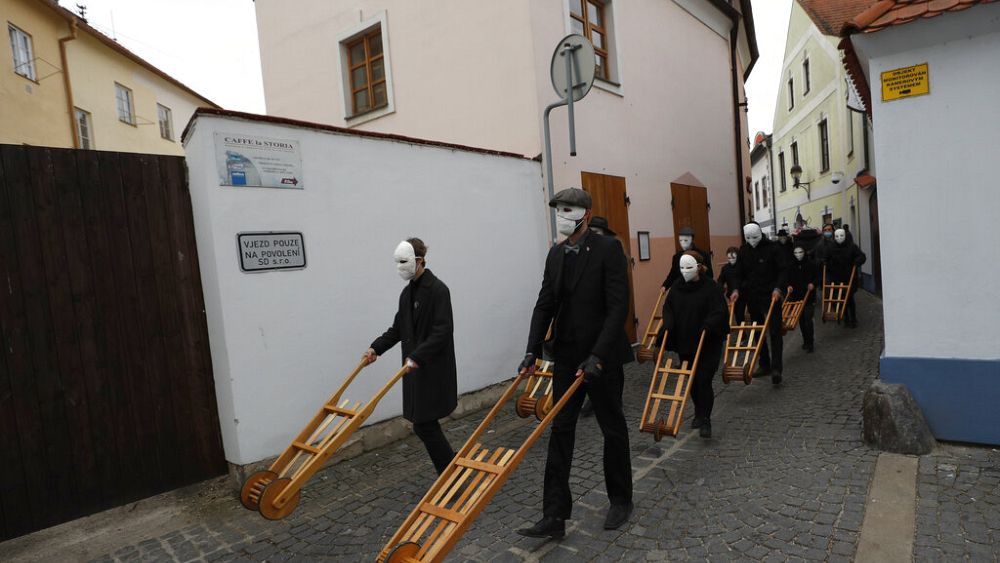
point(268, 509)
point(403, 553)
point(525, 405)
point(543, 406)
point(254, 486)
point(747, 376)
point(644, 355)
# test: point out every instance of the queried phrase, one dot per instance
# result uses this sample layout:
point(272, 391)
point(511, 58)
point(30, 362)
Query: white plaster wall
point(938, 196)
point(760, 170)
point(282, 341)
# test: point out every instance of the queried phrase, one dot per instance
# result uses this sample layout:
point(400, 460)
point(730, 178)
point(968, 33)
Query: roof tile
point(889, 13)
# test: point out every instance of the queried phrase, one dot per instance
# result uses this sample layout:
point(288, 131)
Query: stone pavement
point(784, 479)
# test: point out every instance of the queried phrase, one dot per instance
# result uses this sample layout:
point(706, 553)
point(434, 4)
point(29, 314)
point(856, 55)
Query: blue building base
point(960, 398)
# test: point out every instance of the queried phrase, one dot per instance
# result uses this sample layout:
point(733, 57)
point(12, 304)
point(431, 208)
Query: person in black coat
point(585, 291)
point(809, 239)
point(685, 238)
point(785, 242)
point(824, 246)
point(804, 275)
point(841, 258)
point(763, 274)
point(424, 326)
point(695, 304)
point(729, 282)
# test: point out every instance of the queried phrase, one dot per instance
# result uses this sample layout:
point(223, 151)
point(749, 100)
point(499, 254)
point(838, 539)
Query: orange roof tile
point(831, 15)
point(888, 13)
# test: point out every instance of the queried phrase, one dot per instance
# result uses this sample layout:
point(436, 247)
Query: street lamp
point(796, 176)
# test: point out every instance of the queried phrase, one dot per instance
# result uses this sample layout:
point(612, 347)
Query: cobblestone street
point(785, 478)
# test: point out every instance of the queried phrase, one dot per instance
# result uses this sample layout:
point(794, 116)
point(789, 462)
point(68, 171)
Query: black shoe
point(762, 371)
point(776, 378)
point(706, 429)
point(617, 515)
point(809, 349)
point(696, 422)
point(547, 527)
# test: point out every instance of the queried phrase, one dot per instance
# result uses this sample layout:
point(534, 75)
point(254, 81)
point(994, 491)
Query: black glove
point(592, 369)
point(527, 363)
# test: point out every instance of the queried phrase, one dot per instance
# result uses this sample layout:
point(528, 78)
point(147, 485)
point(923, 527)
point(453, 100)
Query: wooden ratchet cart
point(647, 346)
point(743, 346)
point(464, 489)
point(791, 311)
point(537, 396)
point(835, 297)
point(275, 491)
point(670, 384)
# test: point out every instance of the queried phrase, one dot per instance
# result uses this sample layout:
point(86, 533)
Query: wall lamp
point(796, 176)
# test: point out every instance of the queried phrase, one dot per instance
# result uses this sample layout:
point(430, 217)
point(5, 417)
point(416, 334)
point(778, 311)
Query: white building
point(283, 340)
point(661, 137)
point(763, 190)
point(930, 72)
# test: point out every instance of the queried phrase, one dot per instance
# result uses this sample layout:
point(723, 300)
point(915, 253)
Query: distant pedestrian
point(803, 277)
point(729, 282)
point(685, 238)
point(424, 326)
point(843, 257)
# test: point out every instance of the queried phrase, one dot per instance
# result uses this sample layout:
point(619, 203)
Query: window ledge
point(372, 114)
point(609, 86)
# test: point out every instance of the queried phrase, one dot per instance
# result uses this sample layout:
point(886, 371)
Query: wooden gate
point(690, 207)
point(106, 388)
point(608, 194)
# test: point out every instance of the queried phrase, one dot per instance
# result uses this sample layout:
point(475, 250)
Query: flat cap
point(572, 196)
point(688, 231)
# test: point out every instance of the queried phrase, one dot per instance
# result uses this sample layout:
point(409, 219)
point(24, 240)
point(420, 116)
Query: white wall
point(282, 341)
point(937, 161)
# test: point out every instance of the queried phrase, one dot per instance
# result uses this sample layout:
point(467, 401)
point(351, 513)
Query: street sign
point(260, 252)
point(253, 161)
point(905, 82)
point(584, 66)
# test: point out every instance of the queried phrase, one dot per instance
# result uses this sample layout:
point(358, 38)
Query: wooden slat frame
point(683, 377)
point(743, 346)
point(835, 296)
point(791, 311)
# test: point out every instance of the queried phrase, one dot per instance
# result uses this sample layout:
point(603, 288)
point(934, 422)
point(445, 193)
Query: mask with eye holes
point(406, 261)
point(569, 218)
point(752, 234)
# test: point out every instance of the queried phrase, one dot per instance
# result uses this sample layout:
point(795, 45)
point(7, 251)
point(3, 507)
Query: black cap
point(686, 231)
point(782, 233)
point(572, 196)
point(601, 223)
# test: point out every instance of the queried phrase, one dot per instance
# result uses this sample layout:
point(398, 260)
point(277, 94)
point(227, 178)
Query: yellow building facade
point(65, 84)
point(814, 129)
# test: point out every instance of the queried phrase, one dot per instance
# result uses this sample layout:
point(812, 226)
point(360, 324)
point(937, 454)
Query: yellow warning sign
point(905, 82)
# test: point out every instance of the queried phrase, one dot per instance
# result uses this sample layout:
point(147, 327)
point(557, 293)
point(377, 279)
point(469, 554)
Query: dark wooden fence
point(106, 389)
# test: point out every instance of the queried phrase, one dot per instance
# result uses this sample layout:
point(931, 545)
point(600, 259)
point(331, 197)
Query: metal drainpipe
point(737, 133)
point(66, 83)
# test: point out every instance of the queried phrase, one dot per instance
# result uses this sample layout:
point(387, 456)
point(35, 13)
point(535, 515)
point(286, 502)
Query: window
point(24, 56)
point(764, 185)
point(791, 94)
point(123, 101)
point(781, 170)
point(805, 77)
point(166, 119)
point(367, 72)
point(795, 153)
point(824, 147)
point(850, 132)
point(756, 195)
point(83, 134)
point(587, 17)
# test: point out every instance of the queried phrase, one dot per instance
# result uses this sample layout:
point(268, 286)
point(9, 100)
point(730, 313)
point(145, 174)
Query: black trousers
point(606, 396)
point(770, 352)
point(436, 443)
point(850, 309)
point(702, 393)
point(806, 326)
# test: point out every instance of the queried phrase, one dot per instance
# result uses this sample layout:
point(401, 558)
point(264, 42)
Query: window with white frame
point(764, 185)
point(124, 105)
point(165, 117)
point(592, 19)
point(84, 134)
point(781, 171)
point(24, 55)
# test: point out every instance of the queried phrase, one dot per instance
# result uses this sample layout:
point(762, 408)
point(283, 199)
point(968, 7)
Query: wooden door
point(690, 209)
point(609, 195)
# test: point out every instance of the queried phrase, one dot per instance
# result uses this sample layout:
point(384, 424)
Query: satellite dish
point(584, 70)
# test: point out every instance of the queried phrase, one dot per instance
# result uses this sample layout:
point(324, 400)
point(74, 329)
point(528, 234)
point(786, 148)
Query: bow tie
point(575, 249)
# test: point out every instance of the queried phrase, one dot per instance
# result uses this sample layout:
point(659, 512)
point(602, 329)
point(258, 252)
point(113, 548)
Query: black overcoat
point(690, 308)
point(425, 327)
point(802, 273)
point(839, 260)
point(761, 269)
point(596, 297)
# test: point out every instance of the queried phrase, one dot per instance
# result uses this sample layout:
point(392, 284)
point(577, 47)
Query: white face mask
point(406, 261)
point(840, 235)
point(689, 267)
point(569, 218)
point(731, 258)
point(685, 241)
point(799, 254)
point(752, 234)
